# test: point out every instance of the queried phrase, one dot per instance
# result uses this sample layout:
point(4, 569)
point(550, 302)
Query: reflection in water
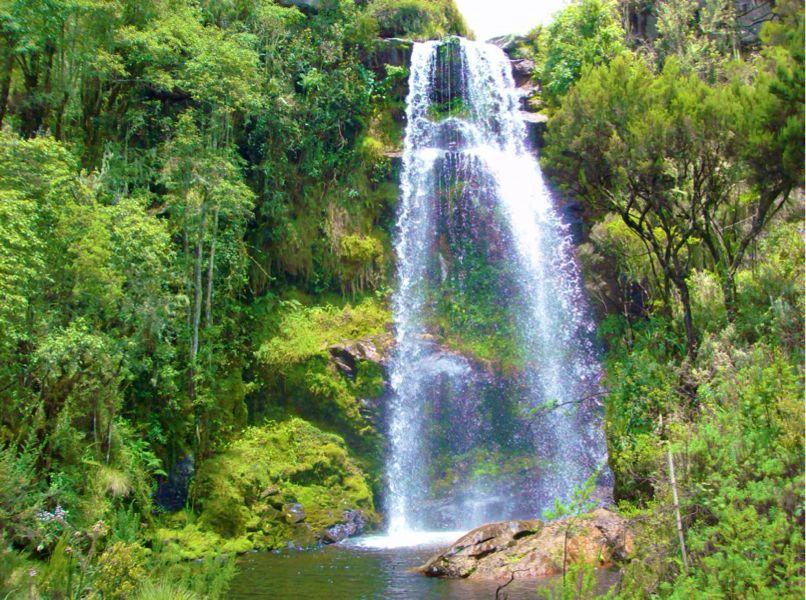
point(358, 573)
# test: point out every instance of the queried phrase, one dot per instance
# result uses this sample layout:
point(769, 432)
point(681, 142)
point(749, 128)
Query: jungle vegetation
point(197, 200)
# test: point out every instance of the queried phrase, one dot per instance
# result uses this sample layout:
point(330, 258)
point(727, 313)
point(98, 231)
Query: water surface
point(353, 572)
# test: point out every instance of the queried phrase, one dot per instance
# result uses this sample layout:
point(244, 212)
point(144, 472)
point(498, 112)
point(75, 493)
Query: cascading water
point(479, 241)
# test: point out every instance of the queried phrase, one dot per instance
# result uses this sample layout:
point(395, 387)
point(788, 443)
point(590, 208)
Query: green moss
point(297, 375)
point(191, 542)
point(385, 129)
point(305, 332)
point(244, 493)
point(370, 381)
point(453, 108)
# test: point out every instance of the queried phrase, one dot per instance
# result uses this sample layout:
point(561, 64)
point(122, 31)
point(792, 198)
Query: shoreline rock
point(533, 548)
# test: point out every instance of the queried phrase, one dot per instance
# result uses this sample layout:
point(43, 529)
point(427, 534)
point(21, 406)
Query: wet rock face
point(535, 128)
point(529, 549)
point(303, 5)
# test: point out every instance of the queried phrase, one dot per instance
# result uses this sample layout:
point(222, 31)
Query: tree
point(650, 149)
point(209, 202)
point(765, 160)
point(702, 36)
point(771, 120)
point(585, 34)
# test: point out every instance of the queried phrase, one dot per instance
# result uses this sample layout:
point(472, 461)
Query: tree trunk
point(109, 434)
point(197, 302)
point(197, 287)
point(186, 253)
point(676, 500)
point(208, 312)
point(729, 294)
point(688, 319)
point(5, 84)
point(565, 554)
point(59, 117)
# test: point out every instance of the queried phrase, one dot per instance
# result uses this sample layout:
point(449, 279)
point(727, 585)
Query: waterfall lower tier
point(495, 373)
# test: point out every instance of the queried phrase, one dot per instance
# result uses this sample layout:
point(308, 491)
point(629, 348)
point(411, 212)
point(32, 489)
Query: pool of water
point(365, 568)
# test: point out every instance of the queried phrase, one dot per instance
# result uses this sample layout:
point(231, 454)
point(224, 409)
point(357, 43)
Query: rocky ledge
point(529, 549)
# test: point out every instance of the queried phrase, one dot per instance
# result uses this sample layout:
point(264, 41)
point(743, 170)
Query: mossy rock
point(298, 375)
point(191, 542)
point(244, 492)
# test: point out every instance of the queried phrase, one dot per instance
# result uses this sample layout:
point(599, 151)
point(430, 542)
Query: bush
point(121, 567)
point(164, 590)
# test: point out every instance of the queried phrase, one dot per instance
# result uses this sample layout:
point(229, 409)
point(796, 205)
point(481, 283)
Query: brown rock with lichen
point(529, 549)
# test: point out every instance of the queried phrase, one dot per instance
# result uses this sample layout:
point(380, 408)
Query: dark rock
point(535, 128)
point(396, 160)
point(522, 70)
point(172, 491)
point(508, 43)
point(294, 513)
point(344, 360)
point(346, 354)
point(353, 525)
point(304, 5)
point(527, 549)
point(389, 51)
point(371, 409)
point(271, 490)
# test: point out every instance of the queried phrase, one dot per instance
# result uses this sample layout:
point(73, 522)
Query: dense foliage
point(196, 200)
point(584, 34)
point(179, 182)
point(418, 19)
point(695, 253)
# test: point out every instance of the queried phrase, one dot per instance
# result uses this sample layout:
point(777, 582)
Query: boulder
point(530, 549)
point(353, 524)
point(294, 513)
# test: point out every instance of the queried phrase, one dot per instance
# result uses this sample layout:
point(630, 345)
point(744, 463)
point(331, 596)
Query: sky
point(490, 18)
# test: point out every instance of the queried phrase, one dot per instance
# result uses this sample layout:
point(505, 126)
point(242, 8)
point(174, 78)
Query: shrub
point(164, 590)
point(120, 569)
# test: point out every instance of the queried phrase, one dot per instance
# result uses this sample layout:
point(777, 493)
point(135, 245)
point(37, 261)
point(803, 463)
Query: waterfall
point(478, 235)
